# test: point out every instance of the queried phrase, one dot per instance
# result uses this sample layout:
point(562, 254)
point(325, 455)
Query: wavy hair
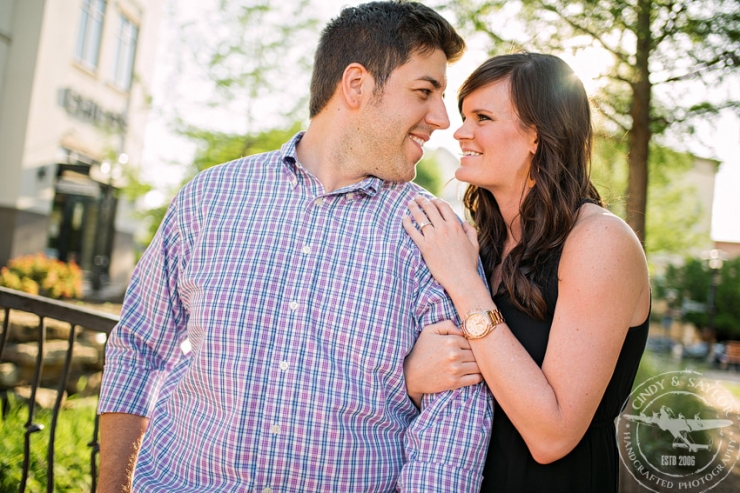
point(548, 97)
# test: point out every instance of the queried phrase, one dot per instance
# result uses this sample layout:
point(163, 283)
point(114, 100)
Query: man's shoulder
point(399, 193)
point(240, 166)
point(391, 207)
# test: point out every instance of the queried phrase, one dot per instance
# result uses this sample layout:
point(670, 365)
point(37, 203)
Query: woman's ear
point(354, 84)
point(534, 141)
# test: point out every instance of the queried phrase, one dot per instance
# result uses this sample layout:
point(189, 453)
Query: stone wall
point(18, 362)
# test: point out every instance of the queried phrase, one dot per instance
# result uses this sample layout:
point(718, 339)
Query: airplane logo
point(679, 427)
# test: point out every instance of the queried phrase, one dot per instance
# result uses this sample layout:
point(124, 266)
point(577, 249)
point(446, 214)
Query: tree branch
point(610, 115)
point(668, 32)
point(703, 68)
point(620, 56)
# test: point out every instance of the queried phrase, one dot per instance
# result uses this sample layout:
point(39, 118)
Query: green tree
point(257, 54)
point(255, 57)
point(674, 210)
point(654, 44)
point(216, 148)
point(692, 281)
point(428, 174)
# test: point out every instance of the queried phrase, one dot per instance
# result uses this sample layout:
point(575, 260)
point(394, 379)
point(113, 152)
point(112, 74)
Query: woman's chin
point(463, 175)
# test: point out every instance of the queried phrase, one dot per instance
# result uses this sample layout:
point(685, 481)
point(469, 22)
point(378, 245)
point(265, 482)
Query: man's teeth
point(471, 153)
point(417, 140)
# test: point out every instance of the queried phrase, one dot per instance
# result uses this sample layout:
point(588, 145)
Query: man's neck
point(326, 154)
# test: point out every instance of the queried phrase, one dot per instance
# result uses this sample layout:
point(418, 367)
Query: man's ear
point(356, 84)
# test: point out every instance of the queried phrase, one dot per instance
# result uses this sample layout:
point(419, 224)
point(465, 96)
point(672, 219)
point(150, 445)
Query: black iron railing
point(77, 318)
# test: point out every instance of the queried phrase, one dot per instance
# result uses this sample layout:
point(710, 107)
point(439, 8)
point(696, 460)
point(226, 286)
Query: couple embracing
point(347, 331)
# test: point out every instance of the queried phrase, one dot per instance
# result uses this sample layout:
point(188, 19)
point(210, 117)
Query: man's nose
point(437, 116)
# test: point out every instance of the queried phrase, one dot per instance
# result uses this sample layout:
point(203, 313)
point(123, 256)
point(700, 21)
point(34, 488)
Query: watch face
point(476, 324)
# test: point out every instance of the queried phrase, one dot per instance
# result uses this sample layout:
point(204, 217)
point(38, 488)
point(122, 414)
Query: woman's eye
point(482, 117)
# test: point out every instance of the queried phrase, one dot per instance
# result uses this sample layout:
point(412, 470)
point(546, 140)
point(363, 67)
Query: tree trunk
point(639, 135)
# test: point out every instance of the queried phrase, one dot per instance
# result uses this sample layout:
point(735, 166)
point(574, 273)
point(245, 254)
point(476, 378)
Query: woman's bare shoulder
point(599, 225)
point(603, 240)
point(603, 255)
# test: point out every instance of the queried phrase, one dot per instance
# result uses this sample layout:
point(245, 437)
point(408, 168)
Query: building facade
point(74, 79)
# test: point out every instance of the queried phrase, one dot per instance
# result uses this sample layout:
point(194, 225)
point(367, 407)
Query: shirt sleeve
point(446, 445)
point(146, 344)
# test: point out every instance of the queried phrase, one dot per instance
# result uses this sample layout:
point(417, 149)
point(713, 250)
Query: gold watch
point(479, 323)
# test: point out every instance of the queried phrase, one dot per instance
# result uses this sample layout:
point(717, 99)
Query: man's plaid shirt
point(296, 309)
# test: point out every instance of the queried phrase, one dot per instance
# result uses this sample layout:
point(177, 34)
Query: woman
point(560, 334)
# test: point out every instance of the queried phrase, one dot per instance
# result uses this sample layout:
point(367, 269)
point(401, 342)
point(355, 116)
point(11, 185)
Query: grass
point(72, 455)
point(653, 364)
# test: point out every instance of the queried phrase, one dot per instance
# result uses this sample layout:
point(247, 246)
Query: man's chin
point(401, 176)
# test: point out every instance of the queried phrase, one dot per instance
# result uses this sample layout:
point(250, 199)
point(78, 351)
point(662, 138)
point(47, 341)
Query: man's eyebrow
point(434, 82)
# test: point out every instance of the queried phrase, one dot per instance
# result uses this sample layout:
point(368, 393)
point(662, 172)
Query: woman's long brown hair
point(548, 97)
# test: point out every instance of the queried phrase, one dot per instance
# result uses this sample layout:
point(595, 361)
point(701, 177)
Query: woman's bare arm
point(603, 290)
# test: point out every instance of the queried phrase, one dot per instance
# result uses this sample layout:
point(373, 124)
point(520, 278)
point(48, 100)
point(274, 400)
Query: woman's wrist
point(474, 294)
point(474, 304)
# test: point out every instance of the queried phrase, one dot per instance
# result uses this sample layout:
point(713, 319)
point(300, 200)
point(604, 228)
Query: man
point(291, 277)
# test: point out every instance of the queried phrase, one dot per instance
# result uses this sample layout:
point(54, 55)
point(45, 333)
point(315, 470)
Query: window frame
point(127, 41)
point(90, 33)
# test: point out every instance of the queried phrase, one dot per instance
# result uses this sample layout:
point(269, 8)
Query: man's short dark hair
point(381, 36)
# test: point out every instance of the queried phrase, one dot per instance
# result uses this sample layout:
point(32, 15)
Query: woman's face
point(497, 149)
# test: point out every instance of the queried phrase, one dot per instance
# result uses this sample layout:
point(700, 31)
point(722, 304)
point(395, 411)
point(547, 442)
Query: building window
point(91, 29)
point(123, 67)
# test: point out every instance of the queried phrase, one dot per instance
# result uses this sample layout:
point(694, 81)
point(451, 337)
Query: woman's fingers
point(420, 217)
point(415, 230)
point(430, 209)
point(445, 211)
point(471, 233)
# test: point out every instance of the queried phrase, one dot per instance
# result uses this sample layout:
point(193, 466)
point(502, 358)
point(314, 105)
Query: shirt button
point(306, 249)
point(283, 365)
point(350, 196)
point(267, 490)
point(293, 305)
point(319, 202)
point(274, 429)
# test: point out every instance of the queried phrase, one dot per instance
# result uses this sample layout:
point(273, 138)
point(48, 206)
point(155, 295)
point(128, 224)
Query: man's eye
point(426, 92)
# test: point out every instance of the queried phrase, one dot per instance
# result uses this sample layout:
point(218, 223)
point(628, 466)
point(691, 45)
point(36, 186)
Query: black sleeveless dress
point(593, 466)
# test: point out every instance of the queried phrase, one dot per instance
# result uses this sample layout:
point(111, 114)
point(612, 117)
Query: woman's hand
point(441, 360)
point(450, 249)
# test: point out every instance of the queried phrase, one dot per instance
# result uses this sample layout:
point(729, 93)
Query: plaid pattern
point(300, 308)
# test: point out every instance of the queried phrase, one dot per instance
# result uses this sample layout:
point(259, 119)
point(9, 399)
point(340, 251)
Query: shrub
point(72, 454)
point(41, 275)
